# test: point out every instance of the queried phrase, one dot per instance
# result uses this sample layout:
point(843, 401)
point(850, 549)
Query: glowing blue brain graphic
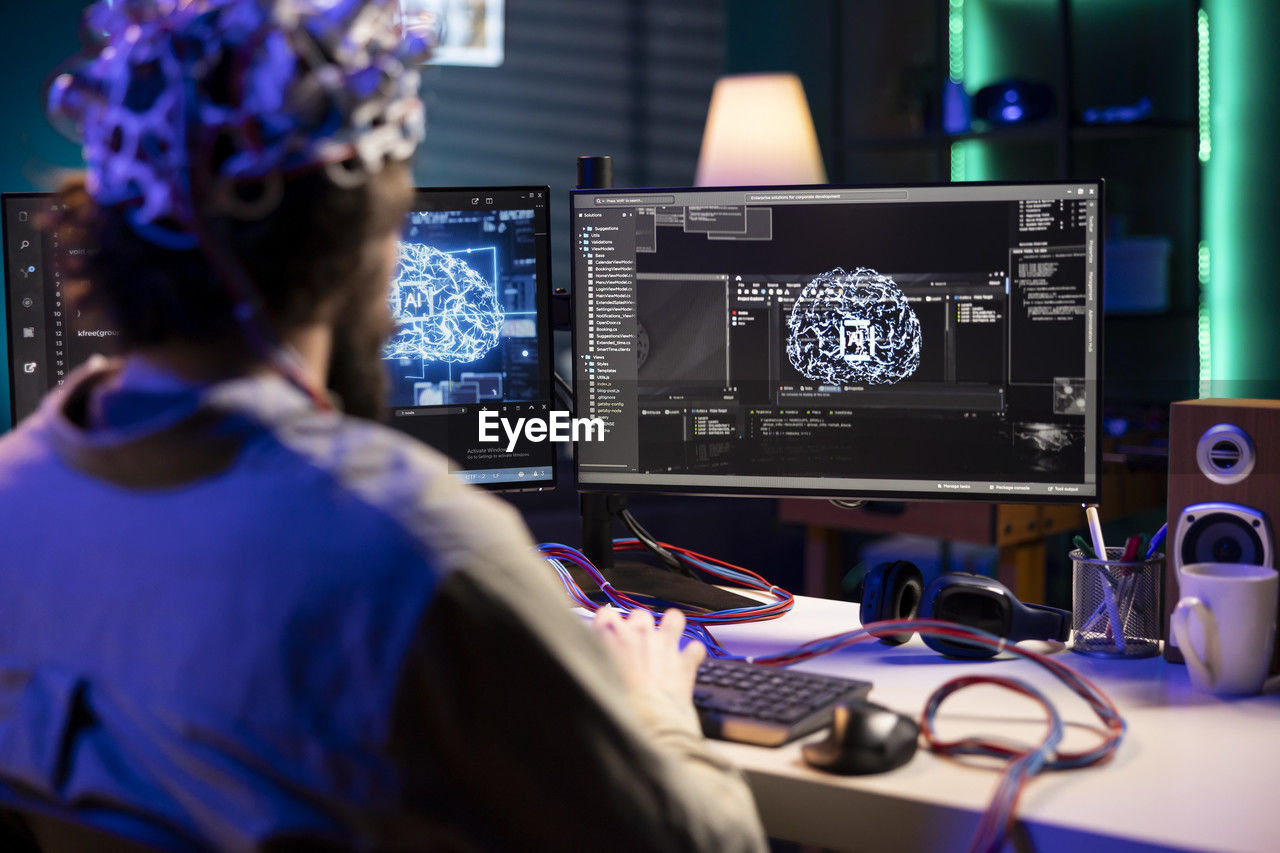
point(444, 310)
point(853, 328)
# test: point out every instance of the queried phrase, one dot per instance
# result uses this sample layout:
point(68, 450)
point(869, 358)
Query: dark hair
point(313, 246)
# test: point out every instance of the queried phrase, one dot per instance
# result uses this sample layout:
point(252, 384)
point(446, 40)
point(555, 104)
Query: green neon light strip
point(1202, 68)
point(955, 67)
point(1204, 326)
point(979, 54)
point(958, 156)
point(1239, 292)
point(1206, 353)
point(1205, 341)
point(955, 41)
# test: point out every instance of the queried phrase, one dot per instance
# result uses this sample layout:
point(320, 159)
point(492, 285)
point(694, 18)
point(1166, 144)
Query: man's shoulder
point(25, 445)
point(371, 459)
point(404, 479)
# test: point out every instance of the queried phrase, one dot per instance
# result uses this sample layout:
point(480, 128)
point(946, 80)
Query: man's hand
point(651, 658)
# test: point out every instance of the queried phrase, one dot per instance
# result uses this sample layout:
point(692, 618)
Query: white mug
point(1235, 607)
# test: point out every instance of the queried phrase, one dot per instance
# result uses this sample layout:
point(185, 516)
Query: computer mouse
point(865, 738)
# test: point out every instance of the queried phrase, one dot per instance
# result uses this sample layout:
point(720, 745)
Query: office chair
point(14, 833)
point(33, 832)
point(39, 832)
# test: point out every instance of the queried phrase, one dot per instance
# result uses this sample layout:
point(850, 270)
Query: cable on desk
point(1023, 764)
point(999, 815)
point(651, 544)
point(695, 623)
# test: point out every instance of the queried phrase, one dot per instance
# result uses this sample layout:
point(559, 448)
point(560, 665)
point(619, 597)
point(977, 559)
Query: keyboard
point(767, 705)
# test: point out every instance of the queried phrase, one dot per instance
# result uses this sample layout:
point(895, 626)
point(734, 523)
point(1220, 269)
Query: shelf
point(1136, 130)
point(1039, 132)
point(1044, 131)
point(920, 140)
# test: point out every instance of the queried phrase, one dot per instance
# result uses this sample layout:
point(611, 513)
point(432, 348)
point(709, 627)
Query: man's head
point(324, 256)
point(241, 152)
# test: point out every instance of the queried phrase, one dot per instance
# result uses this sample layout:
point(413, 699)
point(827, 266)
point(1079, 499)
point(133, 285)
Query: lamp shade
point(759, 131)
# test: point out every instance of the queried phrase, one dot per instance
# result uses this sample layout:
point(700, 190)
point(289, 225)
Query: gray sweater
point(230, 619)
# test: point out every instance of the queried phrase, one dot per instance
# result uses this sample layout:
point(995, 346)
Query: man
point(235, 618)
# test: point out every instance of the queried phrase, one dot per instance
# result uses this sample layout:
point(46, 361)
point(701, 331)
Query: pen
point(1128, 583)
point(1115, 629)
point(1095, 530)
point(1157, 540)
point(1079, 542)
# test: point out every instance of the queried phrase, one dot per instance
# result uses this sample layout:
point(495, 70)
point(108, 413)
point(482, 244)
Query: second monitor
point(471, 301)
point(895, 342)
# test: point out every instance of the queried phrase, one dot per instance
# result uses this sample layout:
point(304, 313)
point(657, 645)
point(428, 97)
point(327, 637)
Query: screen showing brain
point(444, 310)
point(853, 328)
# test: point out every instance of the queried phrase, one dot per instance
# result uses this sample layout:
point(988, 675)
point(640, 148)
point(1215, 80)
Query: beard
point(357, 375)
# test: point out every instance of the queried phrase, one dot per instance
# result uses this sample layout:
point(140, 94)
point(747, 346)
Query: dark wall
point(631, 79)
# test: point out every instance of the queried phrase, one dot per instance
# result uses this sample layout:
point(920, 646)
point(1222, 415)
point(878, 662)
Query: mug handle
point(1204, 668)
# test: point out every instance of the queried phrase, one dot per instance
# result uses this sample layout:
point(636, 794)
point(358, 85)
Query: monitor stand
point(657, 586)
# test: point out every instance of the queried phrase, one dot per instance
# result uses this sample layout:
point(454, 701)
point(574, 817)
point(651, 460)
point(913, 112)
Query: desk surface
point(1194, 771)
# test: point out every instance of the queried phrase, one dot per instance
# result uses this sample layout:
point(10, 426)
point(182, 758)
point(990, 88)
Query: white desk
point(1194, 771)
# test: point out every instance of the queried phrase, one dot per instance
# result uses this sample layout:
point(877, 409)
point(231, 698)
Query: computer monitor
point(471, 298)
point(472, 302)
point(890, 342)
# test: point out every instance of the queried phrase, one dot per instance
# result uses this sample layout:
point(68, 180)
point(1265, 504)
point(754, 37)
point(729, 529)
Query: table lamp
point(759, 131)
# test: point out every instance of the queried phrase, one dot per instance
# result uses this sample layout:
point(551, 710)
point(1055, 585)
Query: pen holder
point(1115, 605)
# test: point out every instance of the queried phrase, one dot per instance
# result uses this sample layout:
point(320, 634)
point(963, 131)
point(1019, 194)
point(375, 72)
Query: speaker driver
point(1222, 533)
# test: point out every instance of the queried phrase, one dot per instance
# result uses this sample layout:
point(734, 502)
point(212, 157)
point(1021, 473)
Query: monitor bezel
point(8, 293)
point(856, 494)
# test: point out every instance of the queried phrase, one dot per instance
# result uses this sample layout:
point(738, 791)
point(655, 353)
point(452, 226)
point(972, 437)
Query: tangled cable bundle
point(695, 623)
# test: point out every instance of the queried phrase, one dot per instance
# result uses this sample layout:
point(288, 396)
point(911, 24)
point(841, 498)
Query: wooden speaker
point(1224, 490)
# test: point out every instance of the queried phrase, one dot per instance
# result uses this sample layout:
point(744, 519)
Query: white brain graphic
point(444, 310)
point(852, 328)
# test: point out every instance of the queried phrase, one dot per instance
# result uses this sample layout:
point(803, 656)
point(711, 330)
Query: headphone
point(892, 591)
point(896, 590)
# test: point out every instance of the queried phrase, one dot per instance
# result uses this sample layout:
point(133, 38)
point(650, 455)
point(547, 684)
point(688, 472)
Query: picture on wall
point(464, 32)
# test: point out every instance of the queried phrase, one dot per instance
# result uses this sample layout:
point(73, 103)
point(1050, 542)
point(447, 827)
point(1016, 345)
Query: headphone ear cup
point(892, 591)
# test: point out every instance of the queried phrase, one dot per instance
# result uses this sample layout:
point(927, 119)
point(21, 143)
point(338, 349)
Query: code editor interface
point(915, 340)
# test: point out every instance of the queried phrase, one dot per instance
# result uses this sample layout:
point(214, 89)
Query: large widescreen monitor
point(893, 342)
point(470, 298)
